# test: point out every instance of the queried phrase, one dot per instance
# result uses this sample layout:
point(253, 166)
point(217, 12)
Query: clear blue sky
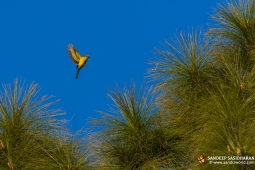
point(119, 36)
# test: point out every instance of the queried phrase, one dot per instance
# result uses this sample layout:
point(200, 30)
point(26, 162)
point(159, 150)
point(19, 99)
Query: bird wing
point(73, 53)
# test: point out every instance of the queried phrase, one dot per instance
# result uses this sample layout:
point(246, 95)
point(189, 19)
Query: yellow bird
point(77, 58)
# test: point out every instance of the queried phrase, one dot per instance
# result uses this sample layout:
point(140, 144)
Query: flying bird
point(77, 58)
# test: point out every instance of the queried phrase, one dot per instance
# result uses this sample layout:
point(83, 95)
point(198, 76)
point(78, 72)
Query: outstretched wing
point(73, 53)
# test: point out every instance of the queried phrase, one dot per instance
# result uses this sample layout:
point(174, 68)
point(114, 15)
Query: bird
point(77, 58)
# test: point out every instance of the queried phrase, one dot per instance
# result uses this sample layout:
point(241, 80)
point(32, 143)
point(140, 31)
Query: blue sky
point(119, 36)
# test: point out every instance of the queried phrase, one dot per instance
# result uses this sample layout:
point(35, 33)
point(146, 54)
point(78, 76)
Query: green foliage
point(133, 135)
point(235, 28)
point(185, 65)
point(206, 86)
point(31, 136)
point(24, 121)
point(69, 152)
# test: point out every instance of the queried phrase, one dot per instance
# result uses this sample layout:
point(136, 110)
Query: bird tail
point(77, 73)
